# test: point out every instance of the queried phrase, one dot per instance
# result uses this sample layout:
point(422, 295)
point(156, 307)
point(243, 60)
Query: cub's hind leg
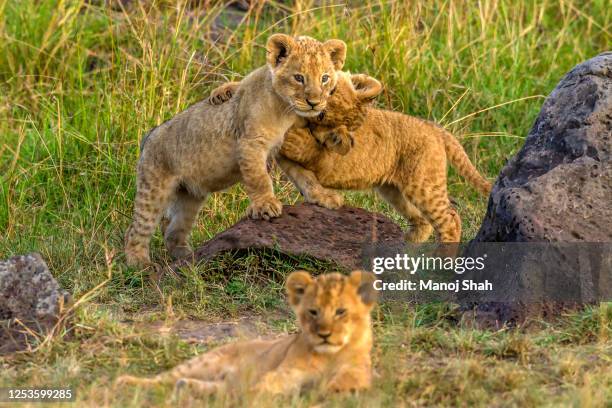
point(210, 367)
point(420, 228)
point(154, 189)
point(430, 197)
point(178, 222)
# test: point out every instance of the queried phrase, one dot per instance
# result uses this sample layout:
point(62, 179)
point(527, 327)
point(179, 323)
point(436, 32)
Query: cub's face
point(304, 70)
point(332, 309)
point(346, 110)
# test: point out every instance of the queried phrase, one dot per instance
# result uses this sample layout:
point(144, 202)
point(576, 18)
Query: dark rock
point(29, 297)
point(537, 280)
point(307, 229)
point(558, 188)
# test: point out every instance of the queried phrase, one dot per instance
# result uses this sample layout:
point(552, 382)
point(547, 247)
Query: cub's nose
point(324, 335)
point(312, 103)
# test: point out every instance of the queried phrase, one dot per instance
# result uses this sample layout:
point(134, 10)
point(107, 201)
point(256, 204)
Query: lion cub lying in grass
point(208, 148)
point(331, 352)
point(402, 157)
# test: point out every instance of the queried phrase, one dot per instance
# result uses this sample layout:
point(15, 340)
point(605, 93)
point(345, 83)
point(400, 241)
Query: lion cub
point(332, 128)
point(208, 148)
point(331, 351)
point(402, 157)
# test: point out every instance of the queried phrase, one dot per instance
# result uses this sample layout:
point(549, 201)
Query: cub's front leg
point(306, 181)
point(253, 154)
point(282, 381)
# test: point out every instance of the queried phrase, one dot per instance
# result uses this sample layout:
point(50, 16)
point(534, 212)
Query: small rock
point(307, 229)
point(28, 294)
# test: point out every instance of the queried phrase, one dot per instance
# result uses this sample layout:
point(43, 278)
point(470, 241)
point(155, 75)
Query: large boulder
point(558, 188)
point(306, 229)
point(31, 301)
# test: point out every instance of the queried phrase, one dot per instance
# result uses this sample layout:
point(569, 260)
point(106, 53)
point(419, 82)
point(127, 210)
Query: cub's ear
point(364, 282)
point(367, 88)
point(278, 49)
point(296, 285)
point(337, 52)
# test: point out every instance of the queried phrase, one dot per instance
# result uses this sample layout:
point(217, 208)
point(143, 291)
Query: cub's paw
point(138, 258)
point(419, 233)
point(265, 208)
point(339, 142)
point(181, 252)
point(177, 246)
point(343, 386)
point(219, 98)
point(326, 198)
point(223, 93)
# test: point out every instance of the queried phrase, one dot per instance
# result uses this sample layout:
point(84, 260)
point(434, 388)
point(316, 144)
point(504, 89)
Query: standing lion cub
point(208, 148)
point(331, 351)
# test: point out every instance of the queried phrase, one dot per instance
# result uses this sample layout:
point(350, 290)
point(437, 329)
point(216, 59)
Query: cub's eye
point(313, 312)
point(340, 312)
point(324, 78)
point(299, 78)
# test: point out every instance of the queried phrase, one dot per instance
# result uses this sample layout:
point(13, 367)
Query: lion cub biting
point(332, 128)
point(333, 131)
point(402, 157)
point(331, 351)
point(208, 148)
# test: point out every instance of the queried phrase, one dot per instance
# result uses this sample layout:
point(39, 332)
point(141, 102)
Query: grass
point(80, 84)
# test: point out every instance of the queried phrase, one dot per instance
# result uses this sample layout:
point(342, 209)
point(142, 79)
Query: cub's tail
point(459, 159)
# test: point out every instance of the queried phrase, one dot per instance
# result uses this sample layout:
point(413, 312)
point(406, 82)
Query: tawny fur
point(208, 148)
point(331, 352)
point(402, 157)
point(332, 131)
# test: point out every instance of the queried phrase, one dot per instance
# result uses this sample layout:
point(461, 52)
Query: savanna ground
point(81, 83)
